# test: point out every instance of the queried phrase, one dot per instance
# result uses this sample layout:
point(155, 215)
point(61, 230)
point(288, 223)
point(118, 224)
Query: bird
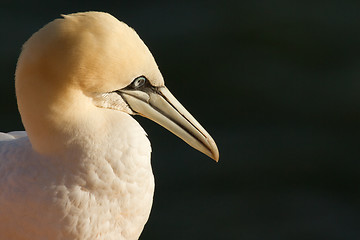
point(82, 169)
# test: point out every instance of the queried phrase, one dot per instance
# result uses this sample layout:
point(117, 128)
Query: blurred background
point(276, 83)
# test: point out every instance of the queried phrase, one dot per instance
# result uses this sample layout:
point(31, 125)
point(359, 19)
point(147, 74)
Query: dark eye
point(138, 82)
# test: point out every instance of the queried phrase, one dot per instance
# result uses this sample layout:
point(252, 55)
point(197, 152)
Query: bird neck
point(58, 124)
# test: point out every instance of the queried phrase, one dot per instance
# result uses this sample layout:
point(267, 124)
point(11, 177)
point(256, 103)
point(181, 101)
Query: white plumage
point(83, 171)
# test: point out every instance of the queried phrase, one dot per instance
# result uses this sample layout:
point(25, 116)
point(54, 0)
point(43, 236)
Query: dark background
point(276, 83)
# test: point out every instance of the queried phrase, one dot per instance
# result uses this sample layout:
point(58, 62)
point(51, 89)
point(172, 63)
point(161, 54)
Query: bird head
point(95, 54)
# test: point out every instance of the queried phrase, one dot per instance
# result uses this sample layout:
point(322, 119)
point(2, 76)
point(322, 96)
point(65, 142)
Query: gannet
point(82, 169)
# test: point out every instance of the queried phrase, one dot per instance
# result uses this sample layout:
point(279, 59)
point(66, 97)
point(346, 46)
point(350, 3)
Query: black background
point(276, 83)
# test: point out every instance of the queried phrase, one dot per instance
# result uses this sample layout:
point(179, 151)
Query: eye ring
point(139, 82)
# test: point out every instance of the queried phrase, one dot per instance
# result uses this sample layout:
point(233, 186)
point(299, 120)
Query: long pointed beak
point(163, 108)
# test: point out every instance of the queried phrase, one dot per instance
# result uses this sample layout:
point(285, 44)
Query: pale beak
point(161, 106)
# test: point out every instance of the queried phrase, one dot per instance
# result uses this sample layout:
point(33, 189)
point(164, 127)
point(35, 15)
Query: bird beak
point(162, 107)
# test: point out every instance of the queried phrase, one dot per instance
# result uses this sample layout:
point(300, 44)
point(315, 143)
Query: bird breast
point(104, 191)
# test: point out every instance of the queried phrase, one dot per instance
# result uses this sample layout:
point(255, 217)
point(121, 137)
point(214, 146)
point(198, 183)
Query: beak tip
point(215, 156)
point(214, 150)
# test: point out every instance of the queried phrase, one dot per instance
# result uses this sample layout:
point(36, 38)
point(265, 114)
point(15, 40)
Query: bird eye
point(139, 82)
